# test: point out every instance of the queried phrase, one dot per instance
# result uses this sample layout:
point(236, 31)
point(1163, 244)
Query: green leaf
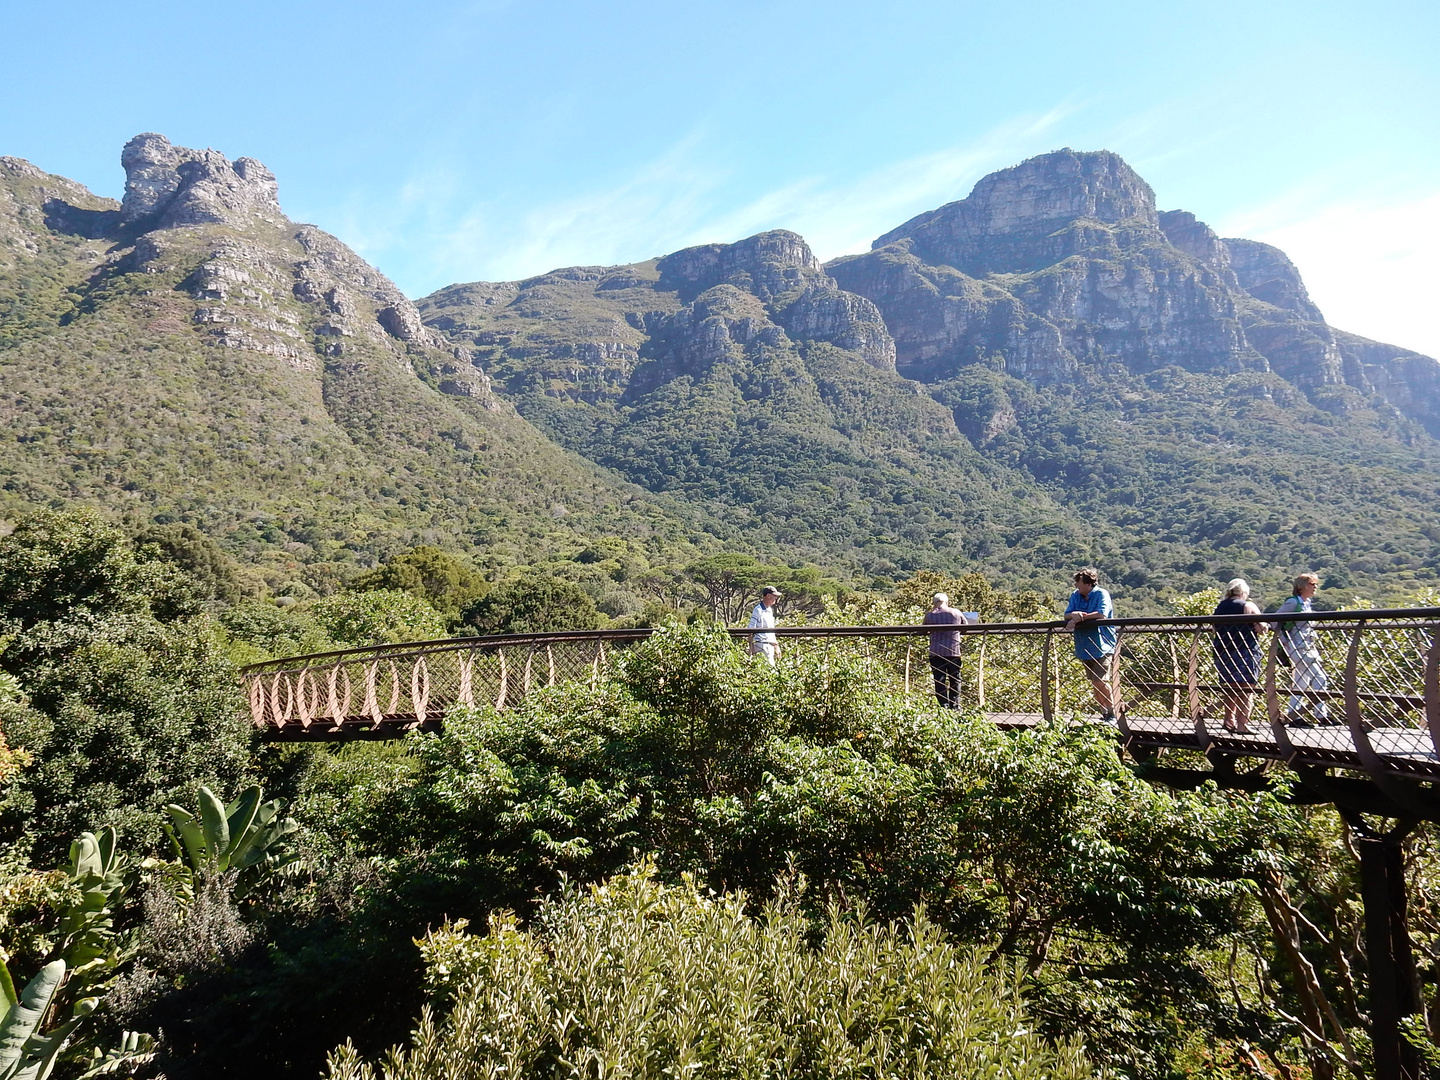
point(240, 815)
point(190, 833)
point(7, 986)
point(217, 828)
point(22, 1019)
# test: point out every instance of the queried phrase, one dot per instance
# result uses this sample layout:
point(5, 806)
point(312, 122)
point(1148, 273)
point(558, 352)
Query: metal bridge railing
point(1366, 695)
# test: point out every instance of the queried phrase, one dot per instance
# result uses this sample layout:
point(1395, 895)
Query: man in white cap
point(762, 617)
point(945, 650)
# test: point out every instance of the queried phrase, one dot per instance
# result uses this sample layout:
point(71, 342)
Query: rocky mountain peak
point(168, 186)
point(1058, 187)
point(1196, 239)
point(767, 265)
point(1016, 220)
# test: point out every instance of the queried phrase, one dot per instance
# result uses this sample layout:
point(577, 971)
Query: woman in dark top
point(1237, 656)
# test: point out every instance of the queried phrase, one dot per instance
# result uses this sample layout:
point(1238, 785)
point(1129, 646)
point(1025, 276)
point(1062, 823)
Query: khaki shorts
point(1097, 668)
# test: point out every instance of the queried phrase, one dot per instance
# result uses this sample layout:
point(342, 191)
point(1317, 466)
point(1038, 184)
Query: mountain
point(1049, 371)
point(740, 377)
point(1046, 371)
point(192, 354)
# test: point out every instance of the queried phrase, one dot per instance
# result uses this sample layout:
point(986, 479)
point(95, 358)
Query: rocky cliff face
point(1408, 381)
point(247, 285)
point(1062, 265)
point(170, 186)
point(1024, 218)
point(1058, 263)
point(580, 333)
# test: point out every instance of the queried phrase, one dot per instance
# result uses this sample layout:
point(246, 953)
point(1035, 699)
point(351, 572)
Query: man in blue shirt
point(1094, 644)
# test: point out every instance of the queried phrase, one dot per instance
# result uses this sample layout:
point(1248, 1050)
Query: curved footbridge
point(1373, 710)
point(1360, 729)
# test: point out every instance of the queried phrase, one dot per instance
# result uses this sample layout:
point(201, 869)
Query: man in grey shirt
point(945, 650)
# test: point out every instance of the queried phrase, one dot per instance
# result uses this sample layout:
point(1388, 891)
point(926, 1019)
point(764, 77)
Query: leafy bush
point(533, 605)
point(216, 577)
point(257, 630)
point(67, 564)
point(125, 714)
point(633, 978)
point(125, 700)
point(1041, 846)
point(376, 617)
point(448, 584)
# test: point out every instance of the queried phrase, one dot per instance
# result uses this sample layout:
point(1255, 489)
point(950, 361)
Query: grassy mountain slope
point(256, 378)
point(1130, 389)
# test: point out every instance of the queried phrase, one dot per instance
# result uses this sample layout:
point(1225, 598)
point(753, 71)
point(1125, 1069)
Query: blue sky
point(491, 140)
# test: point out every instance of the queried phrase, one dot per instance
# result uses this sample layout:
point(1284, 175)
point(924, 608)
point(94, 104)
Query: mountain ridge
point(191, 354)
point(1080, 286)
point(1087, 378)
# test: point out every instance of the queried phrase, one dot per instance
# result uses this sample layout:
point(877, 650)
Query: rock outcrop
point(1407, 380)
point(260, 282)
point(1063, 263)
point(1056, 263)
point(580, 333)
point(1032, 215)
point(170, 186)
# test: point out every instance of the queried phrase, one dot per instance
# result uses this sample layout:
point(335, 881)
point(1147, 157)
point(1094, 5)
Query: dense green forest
point(695, 862)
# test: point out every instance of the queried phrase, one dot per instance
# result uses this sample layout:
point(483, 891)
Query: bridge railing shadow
point(1363, 692)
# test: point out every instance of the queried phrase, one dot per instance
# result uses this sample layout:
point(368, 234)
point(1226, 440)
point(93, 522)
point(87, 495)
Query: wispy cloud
point(842, 217)
point(427, 235)
point(1369, 263)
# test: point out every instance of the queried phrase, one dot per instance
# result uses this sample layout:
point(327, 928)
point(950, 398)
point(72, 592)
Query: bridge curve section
point(1372, 703)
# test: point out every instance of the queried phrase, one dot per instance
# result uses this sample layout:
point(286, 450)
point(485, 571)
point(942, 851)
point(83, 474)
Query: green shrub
point(377, 617)
point(447, 583)
point(637, 979)
point(125, 701)
point(534, 605)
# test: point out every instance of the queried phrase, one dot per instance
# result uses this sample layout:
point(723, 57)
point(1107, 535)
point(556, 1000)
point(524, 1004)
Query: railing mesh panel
point(1153, 675)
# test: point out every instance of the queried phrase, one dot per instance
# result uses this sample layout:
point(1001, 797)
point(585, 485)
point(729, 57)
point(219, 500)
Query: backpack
point(1282, 657)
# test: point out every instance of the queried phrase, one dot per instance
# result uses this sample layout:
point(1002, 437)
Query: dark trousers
point(946, 670)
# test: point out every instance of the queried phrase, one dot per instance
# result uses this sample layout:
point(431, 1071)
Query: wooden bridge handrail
point(1376, 705)
point(405, 648)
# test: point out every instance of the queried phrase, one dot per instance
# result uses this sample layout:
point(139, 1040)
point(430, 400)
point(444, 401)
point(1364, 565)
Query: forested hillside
point(1047, 372)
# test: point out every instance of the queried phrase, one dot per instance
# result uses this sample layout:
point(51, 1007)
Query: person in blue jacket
point(1094, 644)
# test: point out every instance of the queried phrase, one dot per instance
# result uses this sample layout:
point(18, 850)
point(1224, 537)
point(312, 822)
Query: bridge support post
point(1388, 954)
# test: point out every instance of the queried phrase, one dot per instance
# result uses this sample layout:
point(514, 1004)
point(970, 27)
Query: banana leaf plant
point(27, 1053)
point(33, 1035)
point(87, 941)
point(246, 836)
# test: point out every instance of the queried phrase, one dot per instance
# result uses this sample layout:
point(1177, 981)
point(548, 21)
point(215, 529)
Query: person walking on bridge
point(945, 650)
point(1308, 681)
point(762, 617)
point(1094, 644)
